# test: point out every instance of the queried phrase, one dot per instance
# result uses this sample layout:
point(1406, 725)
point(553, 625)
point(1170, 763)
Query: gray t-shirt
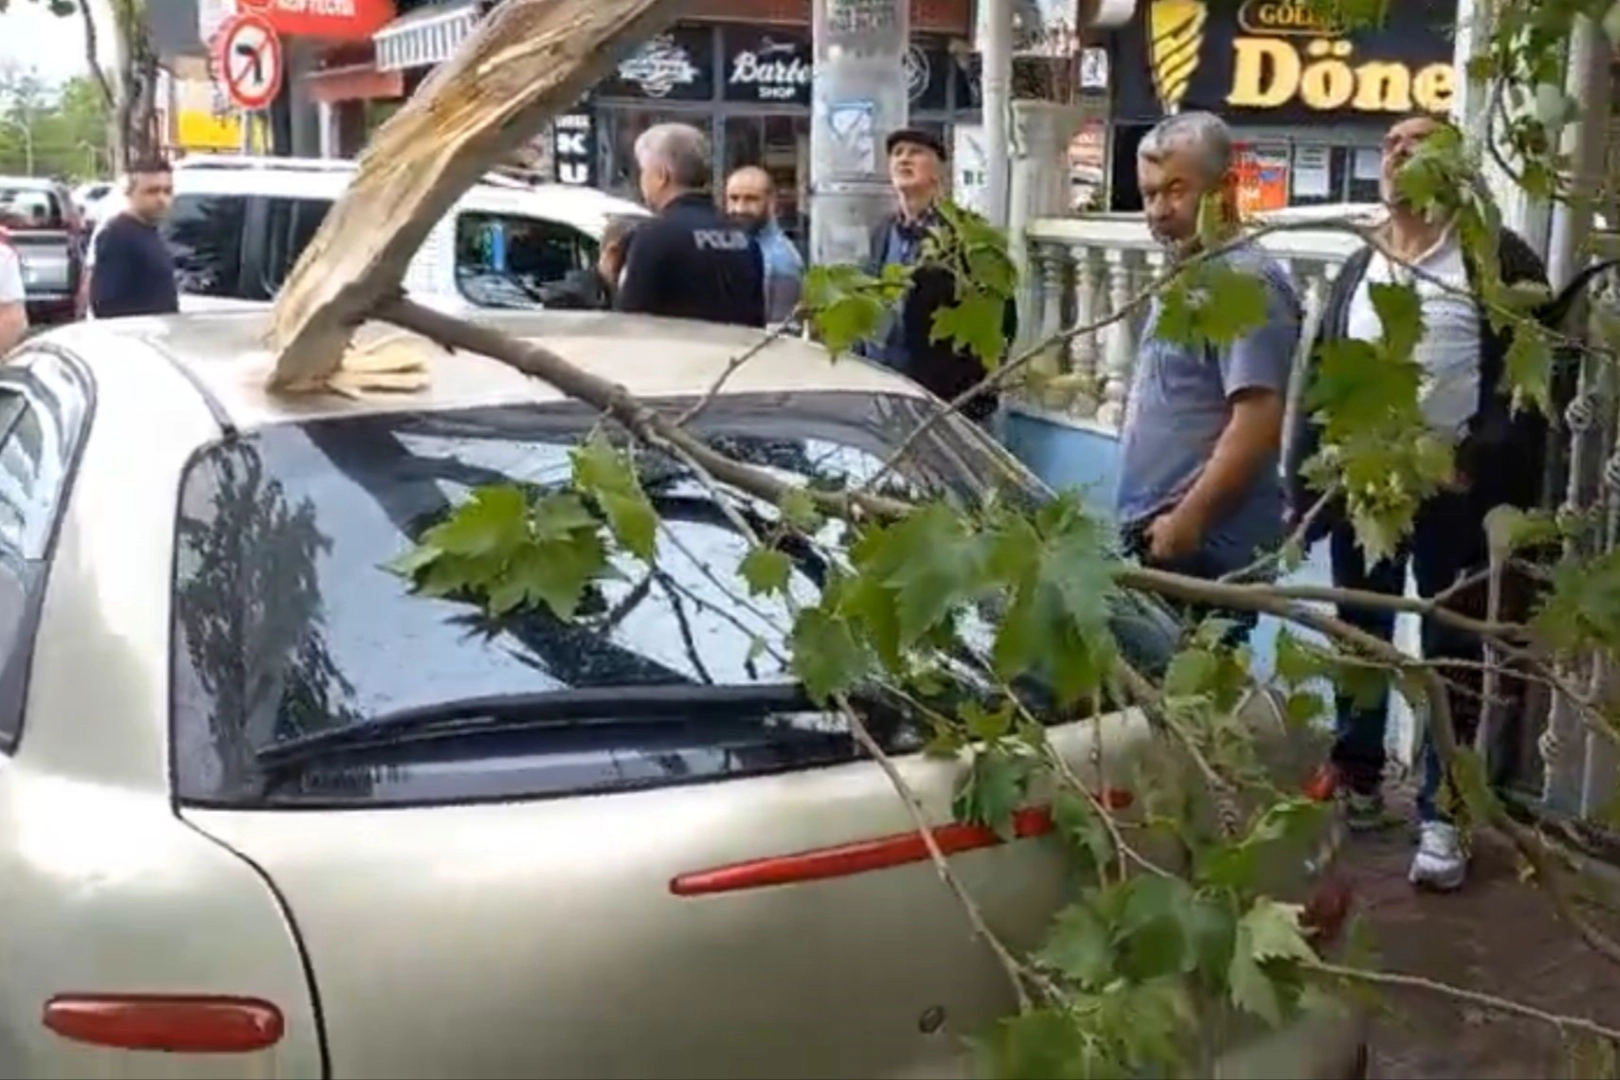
point(1178, 407)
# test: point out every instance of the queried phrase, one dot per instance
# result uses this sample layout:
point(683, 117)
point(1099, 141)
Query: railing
point(1084, 270)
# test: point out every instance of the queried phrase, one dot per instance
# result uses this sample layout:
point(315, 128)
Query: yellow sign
point(1175, 45)
point(1270, 70)
point(198, 129)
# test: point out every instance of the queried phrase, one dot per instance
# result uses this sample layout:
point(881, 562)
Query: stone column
point(857, 98)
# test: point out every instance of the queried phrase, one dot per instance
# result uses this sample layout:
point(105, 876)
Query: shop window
point(502, 260)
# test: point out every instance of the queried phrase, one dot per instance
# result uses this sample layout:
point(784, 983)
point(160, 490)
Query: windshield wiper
point(658, 701)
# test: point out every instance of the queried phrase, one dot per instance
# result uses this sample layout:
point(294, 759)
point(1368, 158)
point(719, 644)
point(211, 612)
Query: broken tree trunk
point(528, 61)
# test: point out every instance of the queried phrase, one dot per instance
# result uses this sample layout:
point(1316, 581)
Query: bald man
point(751, 200)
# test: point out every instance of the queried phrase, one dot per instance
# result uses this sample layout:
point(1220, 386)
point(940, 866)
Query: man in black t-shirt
point(133, 269)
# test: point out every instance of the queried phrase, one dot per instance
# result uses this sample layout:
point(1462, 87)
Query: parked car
point(89, 197)
point(42, 225)
point(240, 223)
point(270, 814)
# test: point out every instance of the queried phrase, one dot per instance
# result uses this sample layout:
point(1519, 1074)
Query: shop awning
point(424, 37)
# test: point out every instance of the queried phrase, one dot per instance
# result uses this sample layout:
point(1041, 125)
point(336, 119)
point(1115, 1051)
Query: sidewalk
point(1497, 935)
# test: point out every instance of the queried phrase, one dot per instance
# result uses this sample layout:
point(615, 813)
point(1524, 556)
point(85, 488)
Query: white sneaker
point(1440, 863)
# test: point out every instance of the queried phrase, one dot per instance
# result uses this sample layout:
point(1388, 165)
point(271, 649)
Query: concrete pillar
point(326, 123)
point(858, 97)
point(995, 52)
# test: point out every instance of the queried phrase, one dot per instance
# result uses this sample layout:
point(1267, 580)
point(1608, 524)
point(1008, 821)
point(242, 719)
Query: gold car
point(266, 813)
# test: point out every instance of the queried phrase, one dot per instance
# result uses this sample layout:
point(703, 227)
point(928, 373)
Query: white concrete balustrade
point(1085, 270)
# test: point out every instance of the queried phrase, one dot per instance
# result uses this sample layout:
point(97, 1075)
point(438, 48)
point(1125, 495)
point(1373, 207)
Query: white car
point(240, 223)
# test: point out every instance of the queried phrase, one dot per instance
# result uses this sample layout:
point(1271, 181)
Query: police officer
point(690, 262)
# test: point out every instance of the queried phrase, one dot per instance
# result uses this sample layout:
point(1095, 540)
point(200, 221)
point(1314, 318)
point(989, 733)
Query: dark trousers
point(1447, 544)
point(1201, 564)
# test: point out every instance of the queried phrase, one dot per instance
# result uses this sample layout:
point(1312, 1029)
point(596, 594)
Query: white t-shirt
point(11, 276)
point(1448, 351)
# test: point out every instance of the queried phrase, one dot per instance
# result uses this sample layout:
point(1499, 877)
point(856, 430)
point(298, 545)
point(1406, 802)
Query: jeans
point(1447, 544)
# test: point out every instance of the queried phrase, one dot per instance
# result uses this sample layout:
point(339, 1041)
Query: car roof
point(223, 353)
point(586, 209)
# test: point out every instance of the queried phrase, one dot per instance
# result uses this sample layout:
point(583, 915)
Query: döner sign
point(1268, 72)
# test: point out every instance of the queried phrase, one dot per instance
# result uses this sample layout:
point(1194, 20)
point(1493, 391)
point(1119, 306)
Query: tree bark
point(530, 60)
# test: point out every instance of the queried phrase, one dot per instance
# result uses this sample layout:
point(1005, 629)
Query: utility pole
point(858, 96)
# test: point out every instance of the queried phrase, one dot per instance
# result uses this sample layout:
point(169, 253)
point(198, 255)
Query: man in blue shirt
point(1200, 490)
point(751, 200)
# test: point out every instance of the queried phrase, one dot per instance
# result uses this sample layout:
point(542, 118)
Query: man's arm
point(13, 300)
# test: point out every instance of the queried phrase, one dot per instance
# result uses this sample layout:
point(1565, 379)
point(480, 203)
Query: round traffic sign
point(250, 62)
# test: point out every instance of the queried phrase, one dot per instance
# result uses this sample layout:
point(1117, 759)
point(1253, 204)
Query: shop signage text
point(1282, 61)
point(775, 70)
point(338, 20)
point(1268, 72)
point(677, 65)
point(573, 149)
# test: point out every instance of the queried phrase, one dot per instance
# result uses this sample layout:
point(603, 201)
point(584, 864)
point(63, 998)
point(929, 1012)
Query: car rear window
point(24, 208)
point(286, 622)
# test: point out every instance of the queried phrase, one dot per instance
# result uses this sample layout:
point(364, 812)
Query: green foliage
point(851, 305)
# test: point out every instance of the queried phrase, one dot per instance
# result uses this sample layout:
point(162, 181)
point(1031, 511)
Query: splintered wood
point(528, 61)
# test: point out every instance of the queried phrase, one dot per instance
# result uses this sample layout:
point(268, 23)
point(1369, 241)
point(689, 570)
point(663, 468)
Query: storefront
point(749, 88)
point(1308, 102)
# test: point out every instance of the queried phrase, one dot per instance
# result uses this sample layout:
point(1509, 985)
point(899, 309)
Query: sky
point(35, 39)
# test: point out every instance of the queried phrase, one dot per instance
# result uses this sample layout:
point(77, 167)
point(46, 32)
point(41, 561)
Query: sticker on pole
point(250, 62)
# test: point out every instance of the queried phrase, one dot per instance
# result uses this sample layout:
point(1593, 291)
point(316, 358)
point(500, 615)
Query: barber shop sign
point(769, 68)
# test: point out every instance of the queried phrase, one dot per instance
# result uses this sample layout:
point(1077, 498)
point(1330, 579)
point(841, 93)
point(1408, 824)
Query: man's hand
point(1174, 535)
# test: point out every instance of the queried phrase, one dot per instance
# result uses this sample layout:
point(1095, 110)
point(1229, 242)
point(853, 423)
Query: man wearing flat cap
point(916, 164)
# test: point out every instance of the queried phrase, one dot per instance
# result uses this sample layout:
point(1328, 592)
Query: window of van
point(502, 260)
point(206, 234)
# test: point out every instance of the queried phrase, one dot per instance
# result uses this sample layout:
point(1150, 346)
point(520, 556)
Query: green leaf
point(799, 511)
point(1080, 947)
point(993, 789)
point(1529, 364)
point(973, 323)
point(1153, 927)
point(1400, 312)
point(766, 571)
point(494, 518)
point(608, 475)
point(847, 305)
point(826, 656)
point(1297, 663)
point(1079, 820)
point(1272, 931)
point(1059, 570)
point(1191, 673)
point(988, 724)
point(1213, 304)
point(557, 572)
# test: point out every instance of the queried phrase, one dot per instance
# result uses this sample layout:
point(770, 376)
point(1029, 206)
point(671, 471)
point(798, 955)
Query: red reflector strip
point(864, 856)
point(176, 1024)
point(1322, 785)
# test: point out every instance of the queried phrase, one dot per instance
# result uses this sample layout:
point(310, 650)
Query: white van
point(239, 224)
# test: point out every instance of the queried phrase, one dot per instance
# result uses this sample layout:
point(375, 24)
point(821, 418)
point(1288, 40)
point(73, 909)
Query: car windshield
point(288, 624)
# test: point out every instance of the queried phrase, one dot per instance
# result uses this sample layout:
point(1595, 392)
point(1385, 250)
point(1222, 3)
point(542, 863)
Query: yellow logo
point(1175, 44)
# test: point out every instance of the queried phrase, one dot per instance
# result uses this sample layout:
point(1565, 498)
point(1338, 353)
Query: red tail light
point(177, 1024)
point(864, 856)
